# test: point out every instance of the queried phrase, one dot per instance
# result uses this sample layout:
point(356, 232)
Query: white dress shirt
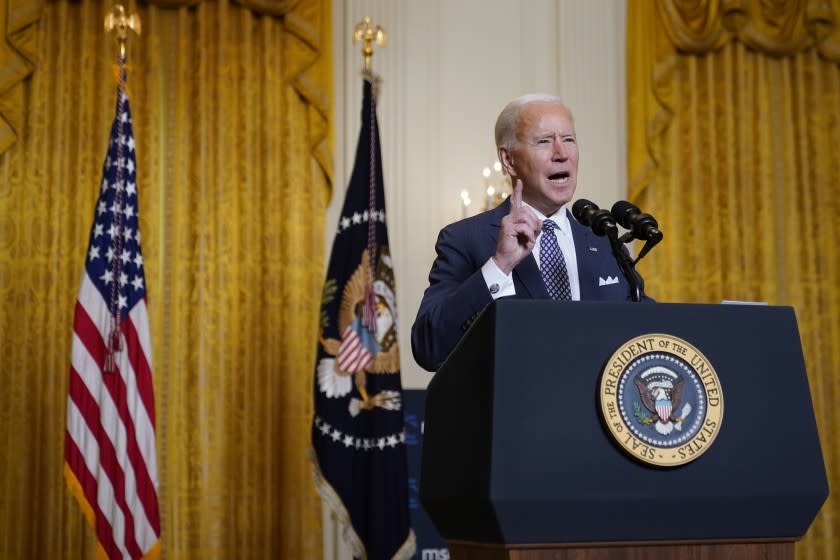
point(500, 284)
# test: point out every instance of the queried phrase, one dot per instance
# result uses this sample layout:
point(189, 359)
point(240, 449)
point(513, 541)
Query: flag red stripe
point(356, 360)
point(107, 455)
point(103, 530)
point(77, 464)
point(346, 362)
point(350, 351)
point(142, 369)
point(120, 493)
point(146, 490)
point(87, 331)
point(349, 364)
point(349, 343)
point(88, 482)
point(361, 362)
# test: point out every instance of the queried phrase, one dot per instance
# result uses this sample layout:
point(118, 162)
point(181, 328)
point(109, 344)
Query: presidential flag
point(358, 436)
point(110, 457)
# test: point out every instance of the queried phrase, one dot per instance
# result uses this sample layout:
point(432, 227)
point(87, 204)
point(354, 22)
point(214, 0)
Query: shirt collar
point(561, 218)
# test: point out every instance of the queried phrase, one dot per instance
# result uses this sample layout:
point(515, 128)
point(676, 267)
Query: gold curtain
point(733, 129)
point(18, 31)
point(230, 104)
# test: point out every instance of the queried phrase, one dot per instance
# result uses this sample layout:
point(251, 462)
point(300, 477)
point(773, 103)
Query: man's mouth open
point(559, 178)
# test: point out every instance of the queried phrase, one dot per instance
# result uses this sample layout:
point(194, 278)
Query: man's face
point(545, 156)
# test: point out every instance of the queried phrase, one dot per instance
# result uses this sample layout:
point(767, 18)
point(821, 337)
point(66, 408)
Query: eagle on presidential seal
point(365, 347)
point(661, 392)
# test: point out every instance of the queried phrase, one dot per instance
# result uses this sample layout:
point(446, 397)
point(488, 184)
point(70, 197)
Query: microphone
point(641, 226)
point(601, 221)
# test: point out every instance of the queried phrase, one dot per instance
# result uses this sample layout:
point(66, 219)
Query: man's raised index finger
point(516, 197)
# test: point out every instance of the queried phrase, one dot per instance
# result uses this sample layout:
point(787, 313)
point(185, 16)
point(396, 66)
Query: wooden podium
point(518, 464)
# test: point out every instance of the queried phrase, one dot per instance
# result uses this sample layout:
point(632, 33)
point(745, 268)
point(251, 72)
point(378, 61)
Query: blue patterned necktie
point(553, 265)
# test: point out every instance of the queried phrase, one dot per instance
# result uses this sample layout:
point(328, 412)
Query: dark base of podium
point(462, 550)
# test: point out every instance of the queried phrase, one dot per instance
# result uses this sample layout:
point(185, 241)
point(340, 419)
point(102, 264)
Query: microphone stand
point(625, 263)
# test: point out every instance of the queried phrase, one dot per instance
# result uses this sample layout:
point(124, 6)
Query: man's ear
point(506, 159)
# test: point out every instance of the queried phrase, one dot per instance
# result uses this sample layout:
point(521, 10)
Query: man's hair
point(506, 123)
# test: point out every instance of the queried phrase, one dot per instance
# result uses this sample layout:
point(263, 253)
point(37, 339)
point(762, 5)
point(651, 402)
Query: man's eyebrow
point(540, 135)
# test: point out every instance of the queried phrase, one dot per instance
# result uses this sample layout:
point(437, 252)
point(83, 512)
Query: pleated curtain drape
point(733, 132)
point(231, 108)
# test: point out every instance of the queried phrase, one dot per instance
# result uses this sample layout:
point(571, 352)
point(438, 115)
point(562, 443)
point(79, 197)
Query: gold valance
point(18, 26)
point(269, 7)
point(17, 61)
point(776, 27)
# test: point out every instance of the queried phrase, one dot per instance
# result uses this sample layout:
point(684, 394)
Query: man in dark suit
point(529, 246)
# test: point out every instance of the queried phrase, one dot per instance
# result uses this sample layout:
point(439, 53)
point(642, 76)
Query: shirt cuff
point(499, 284)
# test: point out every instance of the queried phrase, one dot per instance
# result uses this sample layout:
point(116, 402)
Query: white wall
point(449, 68)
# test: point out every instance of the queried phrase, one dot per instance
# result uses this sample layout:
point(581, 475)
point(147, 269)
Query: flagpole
point(119, 21)
point(370, 34)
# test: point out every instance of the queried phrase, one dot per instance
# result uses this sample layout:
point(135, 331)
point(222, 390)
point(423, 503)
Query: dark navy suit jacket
point(457, 291)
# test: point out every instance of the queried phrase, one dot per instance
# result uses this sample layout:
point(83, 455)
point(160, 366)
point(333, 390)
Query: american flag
point(111, 463)
point(358, 347)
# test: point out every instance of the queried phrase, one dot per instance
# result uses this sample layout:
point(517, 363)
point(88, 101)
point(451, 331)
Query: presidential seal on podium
point(661, 400)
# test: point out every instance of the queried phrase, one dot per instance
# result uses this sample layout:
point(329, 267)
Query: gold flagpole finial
point(368, 33)
point(118, 20)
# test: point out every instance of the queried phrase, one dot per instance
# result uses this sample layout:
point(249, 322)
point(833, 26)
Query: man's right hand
point(519, 232)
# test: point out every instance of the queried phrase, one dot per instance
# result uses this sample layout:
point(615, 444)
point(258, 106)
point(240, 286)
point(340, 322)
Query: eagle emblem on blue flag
point(362, 349)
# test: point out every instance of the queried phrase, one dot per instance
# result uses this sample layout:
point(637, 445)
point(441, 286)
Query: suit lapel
point(586, 257)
